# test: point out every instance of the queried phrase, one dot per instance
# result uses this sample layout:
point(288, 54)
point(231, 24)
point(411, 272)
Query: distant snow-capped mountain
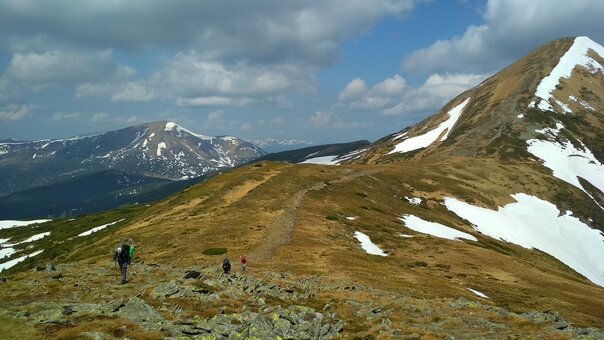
point(157, 149)
point(277, 145)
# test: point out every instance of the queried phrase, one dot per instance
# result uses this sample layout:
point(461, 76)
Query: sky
point(325, 71)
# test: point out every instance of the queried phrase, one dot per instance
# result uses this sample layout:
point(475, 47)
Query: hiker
point(243, 259)
point(226, 266)
point(123, 257)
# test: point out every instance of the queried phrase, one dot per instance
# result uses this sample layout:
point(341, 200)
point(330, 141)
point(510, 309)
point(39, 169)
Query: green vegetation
point(332, 218)
point(215, 251)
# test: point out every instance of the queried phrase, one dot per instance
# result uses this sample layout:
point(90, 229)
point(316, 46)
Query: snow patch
point(414, 200)
point(575, 56)
point(435, 229)
point(325, 160)
point(36, 237)
point(569, 163)
point(477, 293)
point(422, 141)
point(552, 132)
point(350, 218)
point(531, 222)
point(13, 262)
point(7, 224)
point(367, 245)
point(160, 146)
point(520, 116)
point(170, 126)
point(7, 252)
point(101, 227)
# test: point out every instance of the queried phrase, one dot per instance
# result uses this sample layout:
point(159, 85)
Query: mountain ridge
point(158, 149)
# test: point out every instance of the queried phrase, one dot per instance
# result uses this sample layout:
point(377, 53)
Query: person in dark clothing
point(123, 257)
point(226, 266)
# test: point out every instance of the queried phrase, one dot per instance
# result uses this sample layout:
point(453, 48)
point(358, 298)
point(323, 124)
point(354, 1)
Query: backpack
point(122, 254)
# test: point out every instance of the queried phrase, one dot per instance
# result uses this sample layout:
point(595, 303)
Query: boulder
point(192, 274)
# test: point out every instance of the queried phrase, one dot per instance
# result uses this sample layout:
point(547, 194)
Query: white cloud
point(60, 67)
point(190, 76)
point(393, 97)
point(353, 90)
point(276, 121)
point(215, 117)
point(330, 119)
point(215, 101)
point(100, 117)
point(281, 102)
point(103, 118)
point(321, 119)
point(15, 112)
point(246, 127)
point(133, 92)
point(381, 95)
point(66, 116)
point(261, 31)
point(511, 29)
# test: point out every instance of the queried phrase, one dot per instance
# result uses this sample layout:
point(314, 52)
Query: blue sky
point(324, 71)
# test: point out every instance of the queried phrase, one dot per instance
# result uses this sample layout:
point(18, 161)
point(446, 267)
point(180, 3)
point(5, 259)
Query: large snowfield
point(531, 222)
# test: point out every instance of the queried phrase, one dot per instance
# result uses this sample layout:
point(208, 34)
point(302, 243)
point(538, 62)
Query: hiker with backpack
point(243, 259)
point(226, 266)
point(123, 257)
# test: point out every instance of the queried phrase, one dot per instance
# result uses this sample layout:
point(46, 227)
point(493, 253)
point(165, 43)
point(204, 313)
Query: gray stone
point(113, 306)
point(165, 290)
point(139, 311)
point(52, 316)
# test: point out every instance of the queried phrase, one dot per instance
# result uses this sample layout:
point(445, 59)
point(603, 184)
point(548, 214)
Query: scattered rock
point(2, 279)
point(464, 303)
point(139, 311)
point(95, 336)
point(50, 267)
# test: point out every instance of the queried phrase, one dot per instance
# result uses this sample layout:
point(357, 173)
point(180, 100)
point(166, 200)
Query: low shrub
point(215, 251)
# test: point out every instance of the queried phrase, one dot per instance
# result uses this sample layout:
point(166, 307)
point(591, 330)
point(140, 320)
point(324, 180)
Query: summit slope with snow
point(576, 56)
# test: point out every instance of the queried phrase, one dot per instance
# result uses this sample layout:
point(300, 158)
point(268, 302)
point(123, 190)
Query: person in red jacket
point(243, 262)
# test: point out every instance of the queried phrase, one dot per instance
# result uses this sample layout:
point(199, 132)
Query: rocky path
point(279, 231)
